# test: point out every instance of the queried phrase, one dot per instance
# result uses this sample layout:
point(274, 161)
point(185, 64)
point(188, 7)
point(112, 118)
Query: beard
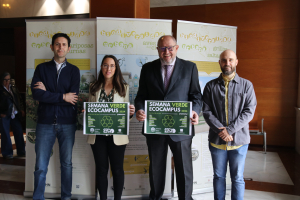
point(228, 72)
point(164, 62)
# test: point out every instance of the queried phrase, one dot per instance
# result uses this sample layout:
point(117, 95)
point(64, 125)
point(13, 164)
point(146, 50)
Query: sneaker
point(9, 157)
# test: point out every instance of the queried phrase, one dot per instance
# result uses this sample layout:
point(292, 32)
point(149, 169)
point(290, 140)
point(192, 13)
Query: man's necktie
point(168, 73)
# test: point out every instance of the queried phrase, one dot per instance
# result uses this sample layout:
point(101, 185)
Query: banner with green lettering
point(168, 117)
point(106, 118)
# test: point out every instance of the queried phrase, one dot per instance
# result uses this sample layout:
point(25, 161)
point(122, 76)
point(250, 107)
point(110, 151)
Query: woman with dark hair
point(11, 111)
point(110, 87)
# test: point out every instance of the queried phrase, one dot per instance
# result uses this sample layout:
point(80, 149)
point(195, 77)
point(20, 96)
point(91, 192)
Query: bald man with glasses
point(169, 78)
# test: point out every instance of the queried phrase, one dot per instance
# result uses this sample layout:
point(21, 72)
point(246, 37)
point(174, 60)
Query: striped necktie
point(168, 73)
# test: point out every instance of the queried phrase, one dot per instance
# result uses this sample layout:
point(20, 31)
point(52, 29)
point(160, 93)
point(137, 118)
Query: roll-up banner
point(202, 44)
point(82, 54)
point(133, 42)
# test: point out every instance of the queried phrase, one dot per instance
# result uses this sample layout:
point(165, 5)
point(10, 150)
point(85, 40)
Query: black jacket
point(7, 101)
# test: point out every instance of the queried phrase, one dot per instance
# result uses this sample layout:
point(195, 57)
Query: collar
point(60, 65)
point(236, 78)
point(226, 79)
point(6, 88)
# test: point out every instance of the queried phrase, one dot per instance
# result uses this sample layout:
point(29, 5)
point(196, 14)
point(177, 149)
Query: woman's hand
point(132, 109)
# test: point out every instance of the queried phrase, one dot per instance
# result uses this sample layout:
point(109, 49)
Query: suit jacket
point(183, 86)
point(7, 101)
point(118, 139)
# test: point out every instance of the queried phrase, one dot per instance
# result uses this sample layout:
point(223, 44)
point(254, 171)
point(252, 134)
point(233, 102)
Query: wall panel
point(261, 44)
point(20, 66)
point(270, 73)
point(276, 102)
point(112, 8)
point(258, 15)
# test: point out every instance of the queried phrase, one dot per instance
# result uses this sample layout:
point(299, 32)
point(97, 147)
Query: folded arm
point(40, 92)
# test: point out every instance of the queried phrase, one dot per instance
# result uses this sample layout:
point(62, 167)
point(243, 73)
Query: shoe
point(9, 157)
point(22, 155)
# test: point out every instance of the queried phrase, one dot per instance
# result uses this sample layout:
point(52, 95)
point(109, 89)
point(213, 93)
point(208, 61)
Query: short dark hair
point(4, 75)
point(57, 35)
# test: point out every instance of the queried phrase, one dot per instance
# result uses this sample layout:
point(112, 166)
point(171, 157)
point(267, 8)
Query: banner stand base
point(142, 197)
point(90, 197)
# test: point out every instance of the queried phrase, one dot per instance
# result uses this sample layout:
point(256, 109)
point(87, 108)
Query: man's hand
point(131, 109)
point(70, 97)
point(225, 135)
point(140, 115)
point(194, 118)
point(2, 115)
point(40, 85)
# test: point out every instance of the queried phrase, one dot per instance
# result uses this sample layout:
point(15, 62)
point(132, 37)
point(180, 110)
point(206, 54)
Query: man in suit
point(169, 79)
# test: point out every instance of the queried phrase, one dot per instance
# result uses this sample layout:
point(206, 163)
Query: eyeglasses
point(6, 79)
point(107, 66)
point(164, 48)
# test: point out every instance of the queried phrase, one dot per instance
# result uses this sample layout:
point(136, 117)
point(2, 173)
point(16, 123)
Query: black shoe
point(22, 155)
point(9, 157)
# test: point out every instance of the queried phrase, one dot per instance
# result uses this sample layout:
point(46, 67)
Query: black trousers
point(158, 149)
point(105, 150)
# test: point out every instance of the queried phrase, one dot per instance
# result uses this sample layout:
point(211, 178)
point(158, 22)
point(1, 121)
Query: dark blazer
point(7, 101)
point(184, 86)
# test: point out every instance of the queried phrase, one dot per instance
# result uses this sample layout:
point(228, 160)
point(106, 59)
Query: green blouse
point(104, 98)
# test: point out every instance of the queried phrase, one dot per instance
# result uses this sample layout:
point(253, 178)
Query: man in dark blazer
point(169, 79)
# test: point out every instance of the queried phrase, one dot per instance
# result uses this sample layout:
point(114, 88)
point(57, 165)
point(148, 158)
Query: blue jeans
point(45, 139)
point(6, 145)
point(236, 159)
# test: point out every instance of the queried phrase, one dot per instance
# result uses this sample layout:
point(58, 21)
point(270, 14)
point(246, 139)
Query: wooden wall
point(268, 38)
point(20, 61)
point(120, 8)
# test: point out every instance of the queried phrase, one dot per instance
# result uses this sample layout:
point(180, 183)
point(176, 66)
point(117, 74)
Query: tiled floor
point(275, 175)
point(266, 168)
point(249, 195)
